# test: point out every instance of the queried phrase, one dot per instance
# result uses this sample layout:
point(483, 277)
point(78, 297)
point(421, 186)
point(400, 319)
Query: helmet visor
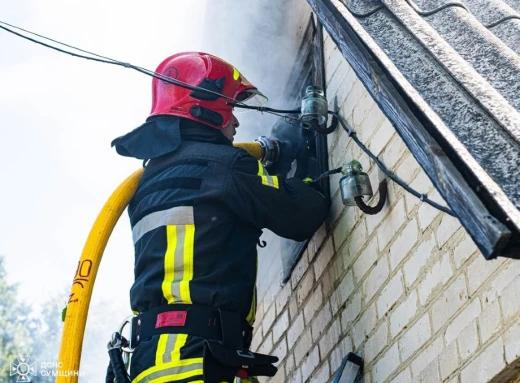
point(250, 97)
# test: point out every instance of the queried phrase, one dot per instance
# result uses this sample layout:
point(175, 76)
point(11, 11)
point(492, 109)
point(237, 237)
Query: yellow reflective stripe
point(161, 348)
point(275, 182)
point(169, 263)
point(261, 170)
point(252, 311)
point(168, 365)
point(189, 242)
point(236, 74)
point(267, 180)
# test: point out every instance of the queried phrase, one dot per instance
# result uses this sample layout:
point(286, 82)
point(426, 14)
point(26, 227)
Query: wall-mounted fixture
point(350, 370)
point(314, 106)
point(355, 187)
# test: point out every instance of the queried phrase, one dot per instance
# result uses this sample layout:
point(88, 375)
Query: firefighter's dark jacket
point(196, 219)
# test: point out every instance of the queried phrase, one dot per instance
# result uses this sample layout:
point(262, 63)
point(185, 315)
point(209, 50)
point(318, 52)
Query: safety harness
point(227, 339)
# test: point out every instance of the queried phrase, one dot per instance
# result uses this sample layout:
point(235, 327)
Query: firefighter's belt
point(204, 321)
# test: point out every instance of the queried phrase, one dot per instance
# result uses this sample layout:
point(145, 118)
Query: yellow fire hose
point(83, 284)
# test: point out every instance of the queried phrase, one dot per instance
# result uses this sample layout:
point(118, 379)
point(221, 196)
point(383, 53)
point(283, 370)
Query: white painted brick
point(336, 210)
point(479, 270)
point(437, 276)
point(283, 297)
point(310, 363)
point(422, 184)
point(322, 375)
point(299, 270)
point(267, 345)
point(394, 152)
point(376, 278)
point(462, 321)
point(373, 119)
point(355, 93)
point(449, 360)
point(390, 294)
point(338, 353)
point(358, 238)
point(426, 215)
point(293, 308)
point(345, 87)
point(449, 302)
point(489, 321)
point(387, 364)
point(431, 373)
point(502, 280)
point(289, 364)
point(296, 377)
point(364, 326)
point(448, 226)
point(316, 241)
point(512, 345)
point(381, 137)
point(510, 300)
point(330, 338)
point(295, 330)
point(426, 356)
point(391, 224)
point(279, 377)
point(404, 376)
point(305, 286)
point(303, 346)
point(332, 275)
point(366, 260)
point(269, 318)
point(345, 225)
point(488, 364)
point(464, 250)
point(321, 321)
point(313, 304)
point(419, 258)
point(332, 64)
point(403, 313)
point(415, 337)
point(335, 81)
point(468, 340)
point(280, 351)
point(342, 293)
point(408, 169)
point(375, 344)
point(351, 311)
point(403, 244)
point(281, 326)
point(323, 258)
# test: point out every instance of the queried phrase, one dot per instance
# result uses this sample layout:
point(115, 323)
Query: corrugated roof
point(465, 71)
point(459, 61)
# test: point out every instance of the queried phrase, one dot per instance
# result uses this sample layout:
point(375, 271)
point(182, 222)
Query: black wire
point(107, 60)
point(394, 178)
point(265, 109)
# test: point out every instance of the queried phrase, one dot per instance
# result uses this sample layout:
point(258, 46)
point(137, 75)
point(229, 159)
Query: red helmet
point(208, 72)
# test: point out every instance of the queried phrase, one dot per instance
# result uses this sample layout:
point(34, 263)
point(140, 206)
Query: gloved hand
point(285, 159)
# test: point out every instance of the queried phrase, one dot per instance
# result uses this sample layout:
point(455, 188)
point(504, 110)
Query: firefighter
point(196, 219)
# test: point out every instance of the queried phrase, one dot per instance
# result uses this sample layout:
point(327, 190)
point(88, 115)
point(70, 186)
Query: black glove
point(285, 159)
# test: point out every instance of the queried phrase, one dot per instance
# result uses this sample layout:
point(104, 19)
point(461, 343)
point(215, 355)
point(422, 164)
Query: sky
point(58, 115)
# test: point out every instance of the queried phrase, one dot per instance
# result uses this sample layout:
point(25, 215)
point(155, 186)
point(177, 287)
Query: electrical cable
point(107, 60)
point(389, 174)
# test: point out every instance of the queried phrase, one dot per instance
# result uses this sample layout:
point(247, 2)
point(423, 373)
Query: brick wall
point(406, 289)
